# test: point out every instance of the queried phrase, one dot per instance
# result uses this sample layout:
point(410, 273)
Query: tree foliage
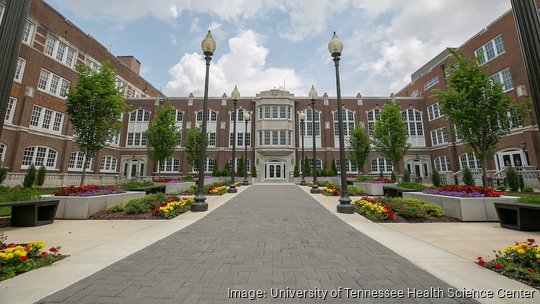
point(468, 178)
point(40, 177)
point(390, 134)
point(333, 168)
point(240, 166)
point(162, 134)
point(476, 105)
point(94, 106)
point(193, 147)
point(30, 177)
point(512, 178)
point(359, 144)
point(435, 178)
point(307, 167)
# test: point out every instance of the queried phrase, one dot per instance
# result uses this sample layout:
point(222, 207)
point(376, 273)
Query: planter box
point(178, 187)
point(82, 207)
point(467, 209)
point(371, 188)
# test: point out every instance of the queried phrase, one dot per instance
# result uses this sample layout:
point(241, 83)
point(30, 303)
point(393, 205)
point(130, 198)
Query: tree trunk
point(83, 176)
point(484, 174)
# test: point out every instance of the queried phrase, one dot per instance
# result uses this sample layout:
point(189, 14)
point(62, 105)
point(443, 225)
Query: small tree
point(253, 171)
point(30, 177)
point(435, 178)
point(162, 134)
point(240, 166)
point(512, 178)
point(406, 176)
point(390, 134)
point(359, 144)
point(215, 170)
point(3, 174)
point(40, 180)
point(193, 147)
point(94, 106)
point(393, 176)
point(296, 172)
point(226, 170)
point(307, 167)
point(468, 178)
point(333, 167)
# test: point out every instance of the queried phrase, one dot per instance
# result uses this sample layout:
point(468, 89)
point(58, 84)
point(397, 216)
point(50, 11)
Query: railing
point(63, 179)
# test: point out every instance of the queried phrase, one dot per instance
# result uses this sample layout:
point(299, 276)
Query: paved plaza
point(271, 243)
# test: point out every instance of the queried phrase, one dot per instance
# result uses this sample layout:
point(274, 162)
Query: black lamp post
point(315, 186)
point(335, 46)
point(302, 117)
point(246, 119)
point(235, 96)
point(208, 46)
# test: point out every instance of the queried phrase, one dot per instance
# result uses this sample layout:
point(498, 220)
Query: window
point(28, 33)
point(433, 81)
point(52, 83)
point(381, 165)
point(505, 78)
point(76, 161)
point(318, 164)
point(415, 93)
point(413, 122)
point(108, 163)
point(170, 165)
point(276, 112)
point(10, 109)
point(348, 122)
point(19, 70)
point(247, 163)
point(442, 164)
point(39, 156)
point(47, 119)
point(240, 139)
point(274, 138)
point(211, 139)
point(60, 51)
point(439, 136)
point(208, 166)
point(179, 116)
point(309, 121)
point(92, 63)
point(434, 112)
point(120, 84)
point(2, 146)
point(349, 166)
point(212, 115)
point(469, 160)
point(139, 115)
point(514, 119)
point(490, 50)
point(372, 117)
point(136, 139)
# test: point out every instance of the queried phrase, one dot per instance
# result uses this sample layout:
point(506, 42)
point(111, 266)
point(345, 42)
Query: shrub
point(333, 167)
point(362, 178)
point(369, 208)
point(407, 207)
point(528, 189)
point(226, 170)
point(133, 185)
point(380, 174)
point(116, 208)
point(468, 178)
point(435, 178)
point(354, 190)
point(17, 193)
point(3, 174)
point(330, 191)
point(215, 170)
point(191, 190)
point(532, 199)
point(145, 204)
point(501, 188)
point(186, 178)
point(406, 176)
point(40, 178)
point(30, 177)
point(393, 176)
point(254, 171)
point(434, 210)
point(411, 185)
point(512, 178)
point(296, 172)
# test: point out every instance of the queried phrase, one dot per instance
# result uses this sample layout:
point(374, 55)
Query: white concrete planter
point(178, 187)
point(371, 188)
point(467, 209)
point(82, 207)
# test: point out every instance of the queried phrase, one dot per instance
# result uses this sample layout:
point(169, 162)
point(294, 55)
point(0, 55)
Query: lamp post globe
point(235, 95)
point(208, 46)
point(315, 186)
point(247, 117)
point(302, 117)
point(335, 47)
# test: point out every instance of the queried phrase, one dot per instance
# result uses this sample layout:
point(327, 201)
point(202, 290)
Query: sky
point(267, 44)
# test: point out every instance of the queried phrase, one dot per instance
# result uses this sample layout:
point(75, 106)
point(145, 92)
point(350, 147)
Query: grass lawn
point(7, 210)
point(526, 197)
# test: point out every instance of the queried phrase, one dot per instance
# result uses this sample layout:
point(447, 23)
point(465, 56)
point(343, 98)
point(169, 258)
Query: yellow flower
point(538, 255)
point(9, 256)
point(521, 251)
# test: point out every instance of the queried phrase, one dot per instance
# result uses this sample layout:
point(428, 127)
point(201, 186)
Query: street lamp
point(315, 186)
point(335, 46)
point(235, 96)
point(302, 117)
point(246, 119)
point(208, 46)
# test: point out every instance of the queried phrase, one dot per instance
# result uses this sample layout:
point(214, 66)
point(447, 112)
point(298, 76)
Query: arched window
point(212, 115)
point(76, 161)
point(108, 163)
point(139, 115)
point(372, 117)
point(381, 165)
point(349, 166)
point(179, 116)
point(308, 123)
point(413, 122)
point(442, 164)
point(469, 160)
point(170, 165)
point(39, 156)
point(348, 122)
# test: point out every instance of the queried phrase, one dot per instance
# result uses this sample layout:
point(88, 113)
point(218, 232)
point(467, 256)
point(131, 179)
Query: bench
point(151, 189)
point(395, 191)
point(32, 213)
point(519, 216)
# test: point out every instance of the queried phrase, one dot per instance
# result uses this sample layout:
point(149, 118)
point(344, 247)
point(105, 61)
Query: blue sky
point(264, 44)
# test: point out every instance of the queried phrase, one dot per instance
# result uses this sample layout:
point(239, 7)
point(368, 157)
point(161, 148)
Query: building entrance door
point(274, 170)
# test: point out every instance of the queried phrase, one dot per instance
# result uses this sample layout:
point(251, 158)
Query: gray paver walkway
point(270, 239)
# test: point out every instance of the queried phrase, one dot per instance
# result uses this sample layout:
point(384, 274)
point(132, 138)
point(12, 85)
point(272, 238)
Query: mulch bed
point(103, 215)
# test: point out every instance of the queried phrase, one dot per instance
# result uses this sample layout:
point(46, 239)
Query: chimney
point(132, 63)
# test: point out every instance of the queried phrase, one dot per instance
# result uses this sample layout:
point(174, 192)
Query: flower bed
point(217, 190)
point(330, 191)
point(173, 207)
point(20, 258)
point(520, 262)
point(392, 209)
point(465, 191)
point(88, 190)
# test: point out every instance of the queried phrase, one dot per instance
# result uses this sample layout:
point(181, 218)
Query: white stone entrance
point(274, 170)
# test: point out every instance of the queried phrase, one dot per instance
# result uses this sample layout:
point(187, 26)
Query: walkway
point(268, 242)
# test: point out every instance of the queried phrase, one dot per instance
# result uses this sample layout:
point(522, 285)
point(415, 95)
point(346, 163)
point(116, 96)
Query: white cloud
point(245, 66)
point(172, 39)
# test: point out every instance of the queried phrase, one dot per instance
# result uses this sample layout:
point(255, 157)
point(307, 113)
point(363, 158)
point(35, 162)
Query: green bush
point(226, 170)
point(333, 167)
point(411, 185)
point(532, 199)
point(186, 178)
point(409, 208)
point(501, 188)
point(17, 193)
point(354, 190)
point(434, 210)
point(254, 171)
point(116, 208)
point(307, 167)
point(393, 176)
point(215, 170)
point(40, 179)
point(512, 178)
point(468, 178)
point(406, 176)
point(528, 189)
point(191, 190)
point(30, 177)
point(363, 178)
point(3, 174)
point(132, 185)
point(145, 204)
point(380, 174)
point(435, 178)
point(296, 172)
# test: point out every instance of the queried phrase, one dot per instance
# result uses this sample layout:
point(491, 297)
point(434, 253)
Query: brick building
point(37, 130)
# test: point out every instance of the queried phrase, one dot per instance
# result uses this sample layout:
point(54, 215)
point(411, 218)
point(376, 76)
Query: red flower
point(530, 240)
point(497, 266)
point(43, 253)
point(53, 249)
point(23, 258)
point(532, 270)
point(480, 261)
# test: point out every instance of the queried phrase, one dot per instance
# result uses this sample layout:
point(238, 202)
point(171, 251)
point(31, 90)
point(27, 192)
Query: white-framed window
point(372, 117)
point(139, 115)
point(469, 160)
point(318, 164)
point(170, 165)
point(309, 121)
point(108, 163)
point(39, 156)
point(275, 138)
point(240, 142)
point(490, 50)
point(3, 147)
point(76, 161)
point(52, 83)
point(415, 93)
point(208, 166)
point(60, 51)
point(350, 166)
point(19, 70)
point(413, 122)
point(179, 116)
point(121, 85)
point(504, 77)
point(513, 117)
point(212, 115)
point(434, 111)
point(433, 81)
point(348, 122)
point(136, 139)
point(115, 140)
point(442, 164)
point(46, 119)
point(381, 165)
point(439, 136)
point(247, 163)
point(93, 64)
point(28, 33)
point(275, 112)
point(10, 109)
point(212, 139)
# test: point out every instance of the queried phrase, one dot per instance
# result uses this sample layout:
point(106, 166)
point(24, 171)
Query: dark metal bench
point(519, 216)
point(151, 189)
point(395, 191)
point(32, 213)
